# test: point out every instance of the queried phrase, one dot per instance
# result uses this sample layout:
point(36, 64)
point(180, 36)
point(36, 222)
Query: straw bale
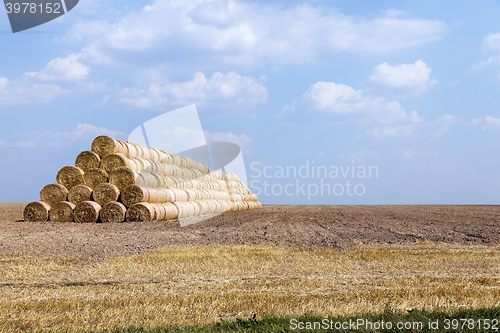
point(87, 212)
point(79, 193)
point(182, 211)
point(36, 211)
point(122, 177)
point(104, 145)
point(94, 177)
point(113, 212)
point(87, 160)
point(159, 195)
point(105, 193)
point(62, 212)
point(70, 176)
point(150, 180)
point(53, 193)
point(113, 161)
point(133, 194)
point(179, 195)
point(171, 211)
point(141, 212)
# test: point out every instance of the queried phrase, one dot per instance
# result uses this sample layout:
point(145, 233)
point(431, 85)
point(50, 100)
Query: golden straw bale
point(79, 193)
point(122, 177)
point(133, 194)
point(53, 193)
point(36, 211)
point(113, 161)
point(104, 145)
point(158, 212)
point(170, 211)
point(87, 160)
point(70, 176)
point(105, 192)
point(185, 209)
point(62, 212)
point(87, 212)
point(113, 212)
point(141, 212)
point(94, 177)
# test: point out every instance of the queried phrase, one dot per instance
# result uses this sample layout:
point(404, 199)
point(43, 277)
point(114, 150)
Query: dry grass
point(199, 285)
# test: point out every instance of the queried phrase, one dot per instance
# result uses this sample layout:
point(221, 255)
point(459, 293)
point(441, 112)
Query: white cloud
point(386, 118)
point(33, 139)
point(434, 128)
point(189, 138)
point(342, 99)
point(212, 34)
point(441, 125)
point(241, 140)
point(390, 131)
point(33, 87)
point(485, 63)
point(220, 89)
point(62, 69)
point(83, 131)
point(486, 123)
point(492, 41)
point(24, 91)
point(85, 31)
point(415, 76)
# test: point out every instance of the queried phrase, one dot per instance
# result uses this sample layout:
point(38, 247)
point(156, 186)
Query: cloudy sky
point(398, 101)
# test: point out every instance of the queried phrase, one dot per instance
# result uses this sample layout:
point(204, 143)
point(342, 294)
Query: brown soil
point(337, 227)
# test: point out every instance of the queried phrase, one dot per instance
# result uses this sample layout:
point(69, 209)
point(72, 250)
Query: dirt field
point(337, 227)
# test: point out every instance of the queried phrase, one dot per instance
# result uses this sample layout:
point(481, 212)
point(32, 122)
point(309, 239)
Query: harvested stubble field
point(284, 260)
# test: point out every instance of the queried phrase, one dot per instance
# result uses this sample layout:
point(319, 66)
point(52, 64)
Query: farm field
point(280, 260)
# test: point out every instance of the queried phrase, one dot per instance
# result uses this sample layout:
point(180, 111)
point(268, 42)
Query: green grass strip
point(462, 320)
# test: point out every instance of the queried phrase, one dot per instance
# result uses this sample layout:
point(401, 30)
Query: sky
point(331, 102)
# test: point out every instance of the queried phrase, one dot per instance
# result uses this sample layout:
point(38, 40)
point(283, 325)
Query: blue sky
point(411, 89)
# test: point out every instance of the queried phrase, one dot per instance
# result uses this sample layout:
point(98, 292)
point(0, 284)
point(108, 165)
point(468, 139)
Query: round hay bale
point(113, 161)
point(94, 177)
point(171, 211)
point(197, 209)
point(62, 212)
point(168, 170)
point(87, 160)
point(105, 192)
point(161, 214)
point(113, 212)
point(182, 211)
point(134, 194)
point(171, 194)
point(140, 212)
point(104, 145)
point(53, 193)
point(79, 193)
point(158, 212)
point(122, 177)
point(179, 195)
point(87, 212)
point(177, 161)
point(147, 179)
point(36, 211)
point(158, 195)
point(70, 176)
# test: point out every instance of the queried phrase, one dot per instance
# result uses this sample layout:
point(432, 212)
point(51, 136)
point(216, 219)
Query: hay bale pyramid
point(119, 181)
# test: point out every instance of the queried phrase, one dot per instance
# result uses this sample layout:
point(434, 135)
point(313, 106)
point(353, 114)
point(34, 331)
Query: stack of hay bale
point(118, 181)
